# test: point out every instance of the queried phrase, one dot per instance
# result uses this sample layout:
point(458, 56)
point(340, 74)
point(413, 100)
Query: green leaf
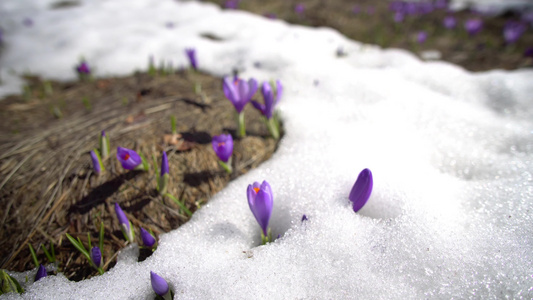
point(51, 258)
point(78, 245)
point(173, 124)
point(181, 205)
point(33, 256)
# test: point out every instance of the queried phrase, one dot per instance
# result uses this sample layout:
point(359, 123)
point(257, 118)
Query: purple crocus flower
point(83, 68)
point(124, 223)
point(513, 31)
point(370, 10)
point(449, 22)
point(96, 162)
point(361, 190)
point(473, 26)
point(398, 17)
point(267, 109)
point(159, 285)
point(239, 92)
point(261, 201)
point(128, 158)
point(148, 239)
point(191, 54)
point(41, 272)
point(96, 256)
point(299, 8)
point(356, 9)
point(223, 146)
point(421, 37)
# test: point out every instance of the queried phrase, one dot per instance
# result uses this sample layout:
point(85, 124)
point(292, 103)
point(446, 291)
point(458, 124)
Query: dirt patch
point(48, 187)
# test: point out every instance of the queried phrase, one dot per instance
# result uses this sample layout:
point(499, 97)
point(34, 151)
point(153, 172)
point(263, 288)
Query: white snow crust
point(451, 153)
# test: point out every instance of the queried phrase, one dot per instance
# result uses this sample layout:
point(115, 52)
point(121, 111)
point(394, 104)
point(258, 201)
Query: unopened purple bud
point(223, 146)
point(449, 22)
point(398, 17)
point(96, 256)
point(96, 162)
point(83, 68)
point(191, 54)
point(261, 202)
point(41, 272)
point(361, 190)
point(159, 285)
point(299, 8)
point(421, 37)
point(124, 223)
point(148, 239)
point(356, 9)
point(128, 158)
point(164, 164)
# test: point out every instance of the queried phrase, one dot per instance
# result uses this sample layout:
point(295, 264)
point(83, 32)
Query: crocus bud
point(159, 285)
point(361, 190)
point(125, 226)
point(83, 68)
point(421, 37)
point(128, 158)
point(164, 178)
point(96, 256)
point(148, 239)
point(191, 54)
point(104, 145)
point(41, 272)
point(261, 201)
point(97, 163)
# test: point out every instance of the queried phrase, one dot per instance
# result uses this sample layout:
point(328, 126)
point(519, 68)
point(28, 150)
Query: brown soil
point(481, 52)
point(48, 188)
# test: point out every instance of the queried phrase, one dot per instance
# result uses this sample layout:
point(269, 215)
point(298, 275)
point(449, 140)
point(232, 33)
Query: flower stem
point(226, 166)
point(273, 128)
point(240, 121)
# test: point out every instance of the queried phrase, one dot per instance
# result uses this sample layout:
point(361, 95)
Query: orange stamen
point(256, 190)
point(221, 144)
point(127, 156)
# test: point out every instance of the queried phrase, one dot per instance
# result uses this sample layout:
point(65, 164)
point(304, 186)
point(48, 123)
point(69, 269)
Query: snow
point(451, 153)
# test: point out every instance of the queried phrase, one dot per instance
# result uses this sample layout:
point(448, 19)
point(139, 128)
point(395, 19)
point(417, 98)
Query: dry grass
point(48, 188)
